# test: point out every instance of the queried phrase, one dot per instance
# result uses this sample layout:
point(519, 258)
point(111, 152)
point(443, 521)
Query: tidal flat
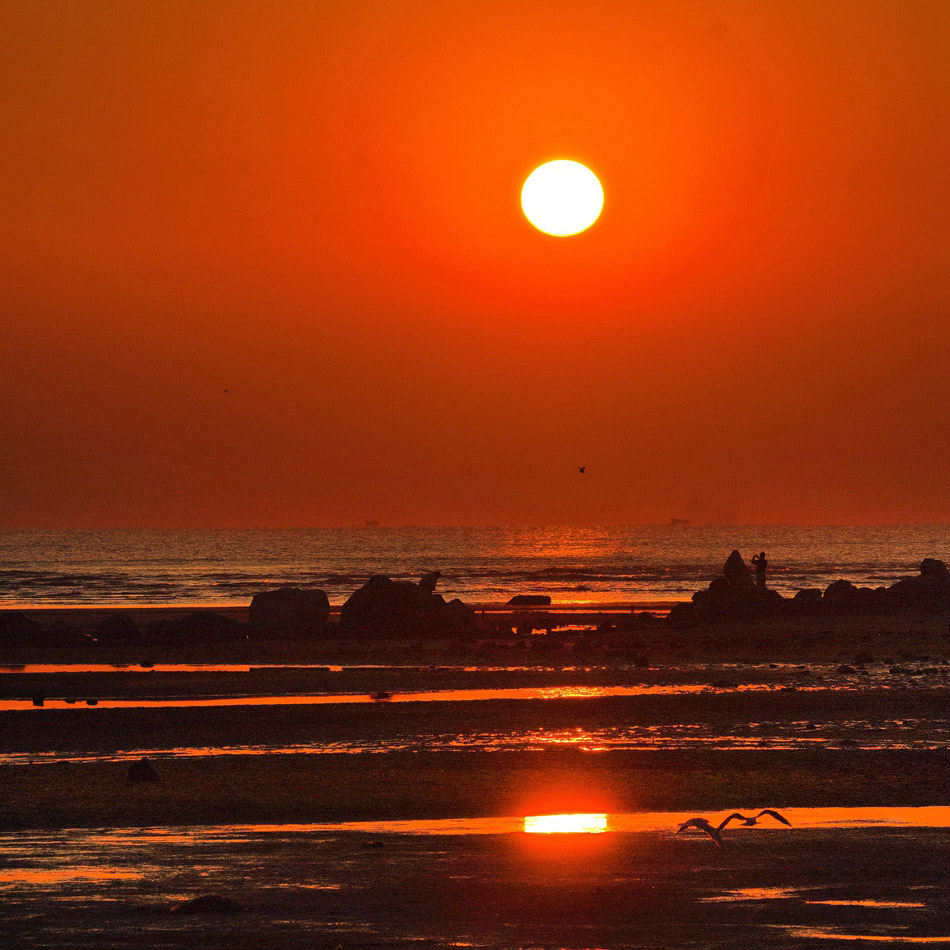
point(855, 719)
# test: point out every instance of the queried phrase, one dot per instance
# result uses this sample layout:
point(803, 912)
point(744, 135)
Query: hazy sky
point(315, 206)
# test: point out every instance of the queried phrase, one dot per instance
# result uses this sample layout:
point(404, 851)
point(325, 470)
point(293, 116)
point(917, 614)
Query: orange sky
point(315, 206)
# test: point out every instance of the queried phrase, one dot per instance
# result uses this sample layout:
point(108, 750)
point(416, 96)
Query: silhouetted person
point(761, 565)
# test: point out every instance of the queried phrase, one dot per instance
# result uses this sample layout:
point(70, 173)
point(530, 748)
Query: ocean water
point(638, 563)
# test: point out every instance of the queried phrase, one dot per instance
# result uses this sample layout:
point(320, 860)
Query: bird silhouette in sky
point(227, 391)
point(582, 469)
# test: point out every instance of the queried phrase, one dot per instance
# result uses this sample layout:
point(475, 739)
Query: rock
point(929, 590)
point(845, 668)
point(428, 581)
point(735, 588)
point(289, 612)
point(17, 630)
point(737, 573)
point(387, 608)
point(143, 771)
point(530, 600)
point(118, 629)
point(807, 597)
point(209, 904)
point(934, 569)
point(198, 626)
point(840, 592)
point(62, 634)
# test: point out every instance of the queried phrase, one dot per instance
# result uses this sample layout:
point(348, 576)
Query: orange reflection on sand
point(46, 876)
point(869, 903)
point(752, 894)
point(437, 696)
point(587, 824)
point(820, 933)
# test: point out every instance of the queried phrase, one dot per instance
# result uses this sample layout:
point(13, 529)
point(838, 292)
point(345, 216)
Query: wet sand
point(398, 785)
point(799, 636)
point(779, 888)
point(769, 888)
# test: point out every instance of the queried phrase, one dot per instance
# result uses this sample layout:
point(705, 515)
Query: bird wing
point(702, 825)
point(774, 814)
point(732, 817)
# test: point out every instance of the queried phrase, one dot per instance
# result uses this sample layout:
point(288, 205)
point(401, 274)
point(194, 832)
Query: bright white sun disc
point(562, 198)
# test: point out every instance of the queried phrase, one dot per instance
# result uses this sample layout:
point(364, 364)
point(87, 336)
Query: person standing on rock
point(761, 565)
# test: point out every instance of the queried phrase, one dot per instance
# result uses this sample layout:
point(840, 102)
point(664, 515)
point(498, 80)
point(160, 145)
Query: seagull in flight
point(582, 469)
point(755, 818)
point(716, 833)
point(703, 825)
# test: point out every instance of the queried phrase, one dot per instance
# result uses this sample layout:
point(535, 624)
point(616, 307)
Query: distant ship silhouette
point(679, 521)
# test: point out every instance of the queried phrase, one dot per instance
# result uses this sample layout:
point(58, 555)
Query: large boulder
point(143, 771)
point(118, 630)
point(929, 590)
point(289, 612)
point(735, 589)
point(843, 593)
point(737, 573)
point(386, 608)
point(935, 569)
point(18, 630)
point(198, 626)
point(530, 600)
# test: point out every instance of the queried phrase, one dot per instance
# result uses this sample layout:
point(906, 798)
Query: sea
point(582, 566)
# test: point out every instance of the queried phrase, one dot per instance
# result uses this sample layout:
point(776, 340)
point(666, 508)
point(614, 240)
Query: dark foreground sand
point(308, 788)
point(115, 888)
point(778, 888)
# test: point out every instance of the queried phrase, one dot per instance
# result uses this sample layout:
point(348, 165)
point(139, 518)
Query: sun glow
point(562, 198)
point(590, 824)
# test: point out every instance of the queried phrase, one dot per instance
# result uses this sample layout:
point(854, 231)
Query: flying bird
point(582, 469)
point(716, 833)
point(765, 811)
point(703, 825)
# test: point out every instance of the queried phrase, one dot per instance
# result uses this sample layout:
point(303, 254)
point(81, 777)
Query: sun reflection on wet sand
point(588, 824)
point(58, 875)
point(752, 894)
point(447, 695)
point(828, 933)
point(868, 903)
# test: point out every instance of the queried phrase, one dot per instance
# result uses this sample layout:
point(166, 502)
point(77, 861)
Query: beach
point(268, 750)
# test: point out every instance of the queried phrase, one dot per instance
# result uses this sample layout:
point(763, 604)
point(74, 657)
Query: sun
point(562, 198)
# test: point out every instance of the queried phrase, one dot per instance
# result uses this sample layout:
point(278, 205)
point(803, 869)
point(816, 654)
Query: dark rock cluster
point(734, 592)
point(736, 588)
point(383, 607)
point(289, 612)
